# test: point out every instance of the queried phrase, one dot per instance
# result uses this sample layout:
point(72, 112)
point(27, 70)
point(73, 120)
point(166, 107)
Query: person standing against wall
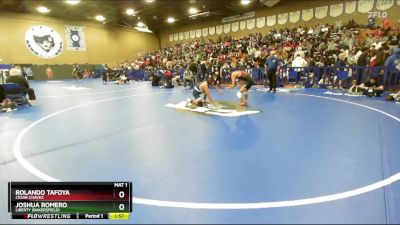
point(49, 73)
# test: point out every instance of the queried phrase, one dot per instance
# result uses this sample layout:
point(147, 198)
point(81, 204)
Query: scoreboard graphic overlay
point(70, 200)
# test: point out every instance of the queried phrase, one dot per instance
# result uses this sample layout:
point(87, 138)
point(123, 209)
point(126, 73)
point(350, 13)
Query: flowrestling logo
point(43, 41)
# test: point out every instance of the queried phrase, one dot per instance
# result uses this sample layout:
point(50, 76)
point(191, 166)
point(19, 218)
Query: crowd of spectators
point(323, 45)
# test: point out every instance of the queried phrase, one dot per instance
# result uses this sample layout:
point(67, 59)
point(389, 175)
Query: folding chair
point(293, 75)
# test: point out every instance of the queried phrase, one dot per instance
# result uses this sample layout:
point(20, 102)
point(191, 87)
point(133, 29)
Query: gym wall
point(283, 7)
point(103, 44)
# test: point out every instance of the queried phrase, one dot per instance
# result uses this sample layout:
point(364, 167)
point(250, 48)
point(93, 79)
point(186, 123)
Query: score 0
point(121, 190)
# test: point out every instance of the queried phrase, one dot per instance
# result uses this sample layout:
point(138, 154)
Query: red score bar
point(81, 195)
point(70, 191)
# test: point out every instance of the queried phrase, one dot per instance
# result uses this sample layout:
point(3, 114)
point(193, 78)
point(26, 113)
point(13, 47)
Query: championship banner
point(176, 37)
point(271, 20)
point(227, 28)
point(350, 7)
point(251, 24)
point(192, 34)
point(198, 33)
point(75, 38)
point(307, 14)
point(365, 6)
point(171, 37)
point(187, 36)
point(204, 32)
point(260, 22)
point(321, 12)
point(384, 4)
point(235, 26)
point(282, 18)
point(242, 25)
point(218, 29)
point(336, 10)
point(211, 30)
point(181, 36)
point(294, 17)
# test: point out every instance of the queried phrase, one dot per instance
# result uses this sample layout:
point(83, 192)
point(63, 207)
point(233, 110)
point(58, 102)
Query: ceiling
point(152, 14)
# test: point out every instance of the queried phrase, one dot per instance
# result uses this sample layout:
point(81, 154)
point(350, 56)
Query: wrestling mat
point(219, 109)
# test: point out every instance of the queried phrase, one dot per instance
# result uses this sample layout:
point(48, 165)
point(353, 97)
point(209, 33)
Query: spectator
point(299, 52)
point(377, 62)
point(23, 83)
point(372, 87)
point(299, 62)
point(361, 63)
point(49, 73)
point(77, 73)
point(16, 71)
point(392, 64)
point(341, 66)
point(106, 73)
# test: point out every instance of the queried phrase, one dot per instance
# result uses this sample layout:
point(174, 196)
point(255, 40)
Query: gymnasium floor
point(306, 158)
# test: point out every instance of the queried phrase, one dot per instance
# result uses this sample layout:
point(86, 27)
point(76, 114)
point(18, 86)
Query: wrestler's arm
point(208, 94)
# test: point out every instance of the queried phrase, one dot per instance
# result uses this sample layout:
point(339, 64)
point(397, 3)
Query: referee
point(272, 66)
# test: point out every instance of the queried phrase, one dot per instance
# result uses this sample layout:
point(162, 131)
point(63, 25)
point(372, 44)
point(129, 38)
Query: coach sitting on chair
point(23, 83)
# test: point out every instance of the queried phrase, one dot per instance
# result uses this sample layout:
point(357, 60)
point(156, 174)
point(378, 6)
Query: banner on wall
point(192, 34)
point(282, 18)
point(75, 38)
point(198, 33)
point(365, 6)
point(350, 7)
point(235, 26)
point(243, 25)
point(171, 37)
point(321, 12)
point(204, 32)
point(260, 22)
point(238, 17)
point(251, 24)
point(176, 37)
point(294, 17)
point(211, 30)
point(384, 4)
point(398, 2)
point(44, 41)
point(181, 36)
point(307, 14)
point(227, 28)
point(187, 36)
point(336, 10)
point(271, 20)
point(218, 29)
